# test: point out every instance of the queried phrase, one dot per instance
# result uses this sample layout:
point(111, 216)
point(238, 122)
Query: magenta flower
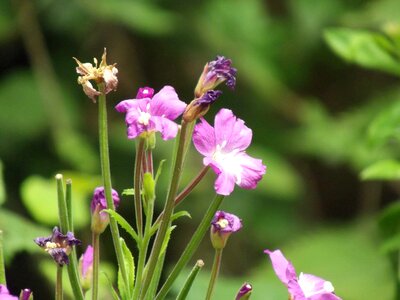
point(5, 294)
point(306, 286)
point(244, 292)
point(148, 113)
point(101, 219)
point(224, 148)
point(86, 268)
point(222, 226)
point(58, 245)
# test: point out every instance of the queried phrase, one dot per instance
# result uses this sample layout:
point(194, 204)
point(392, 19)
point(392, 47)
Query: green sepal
point(148, 187)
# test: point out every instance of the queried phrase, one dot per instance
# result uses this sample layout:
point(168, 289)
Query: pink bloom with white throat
point(223, 147)
point(304, 287)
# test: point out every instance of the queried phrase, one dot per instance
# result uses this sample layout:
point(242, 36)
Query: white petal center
point(228, 162)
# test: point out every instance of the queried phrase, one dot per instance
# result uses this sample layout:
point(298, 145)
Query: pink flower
point(306, 286)
point(86, 268)
point(223, 147)
point(150, 113)
point(5, 294)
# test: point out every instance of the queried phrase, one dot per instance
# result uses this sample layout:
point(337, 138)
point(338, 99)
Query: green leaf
point(367, 49)
point(19, 234)
point(137, 15)
point(123, 223)
point(159, 170)
point(391, 245)
point(389, 219)
point(130, 268)
point(111, 288)
point(128, 192)
point(179, 214)
point(166, 240)
point(38, 192)
point(382, 170)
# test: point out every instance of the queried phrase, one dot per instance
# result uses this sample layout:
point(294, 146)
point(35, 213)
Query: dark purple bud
point(244, 292)
point(208, 97)
point(58, 245)
point(145, 92)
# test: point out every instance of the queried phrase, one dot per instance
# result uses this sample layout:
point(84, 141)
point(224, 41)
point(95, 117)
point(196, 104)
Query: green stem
point(106, 174)
point(68, 200)
point(136, 186)
point(192, 246)
point(214, 273)
point(189, 281)
point(96, 264)
point(62, 205)
point(2, 266)
point(59, 284)
point(186, 191)
point(168, 208)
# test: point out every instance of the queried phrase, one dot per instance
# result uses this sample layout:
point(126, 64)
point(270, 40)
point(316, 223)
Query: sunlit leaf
point(130, 269)
point(367, 49)
point(123, 223)
point(2, 186)
point(382, 170)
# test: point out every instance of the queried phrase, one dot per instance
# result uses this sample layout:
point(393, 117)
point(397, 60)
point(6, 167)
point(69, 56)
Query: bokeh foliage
point(317, 83)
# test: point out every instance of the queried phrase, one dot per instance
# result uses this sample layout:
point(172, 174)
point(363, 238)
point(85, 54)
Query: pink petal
point(252, 171)
point(132, 104)
point(231, 132)
point(87, 260)
point(204, 138)
point(167, 104)
point(282, 267)
point(224, 184)
point(134, 130)
point(166, 127)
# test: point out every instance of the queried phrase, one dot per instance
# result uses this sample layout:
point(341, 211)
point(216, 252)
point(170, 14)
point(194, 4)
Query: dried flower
point(223, 147)
point(306, 286)
point(214, 73)
point(244, 292)
point(222, 226)
point(146, 115)
point(103, 73)
point(101, 219)
point(58, 245)
point(199, 107)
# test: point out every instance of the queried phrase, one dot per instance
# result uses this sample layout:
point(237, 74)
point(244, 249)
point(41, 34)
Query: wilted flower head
point(102, 73)
point(101, 219)
point(223, 147)
point(244, 292)
point(222, 226)
point(214, 73)
point(58, 245)
point(147, 113)
point(86, 268)
point(306, 286)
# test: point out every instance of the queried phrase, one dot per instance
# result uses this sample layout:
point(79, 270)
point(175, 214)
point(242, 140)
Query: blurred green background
point(318, 82)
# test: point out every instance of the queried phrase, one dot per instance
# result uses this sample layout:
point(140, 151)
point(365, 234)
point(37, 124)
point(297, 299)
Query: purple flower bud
point(199, 107)
point(101, 219)
point(208, 97)
point(86, 268)
point(222, 226)
point(58, 245)
point(214, 73)
point(145, 92)
point(26, 294)
point(244, 292)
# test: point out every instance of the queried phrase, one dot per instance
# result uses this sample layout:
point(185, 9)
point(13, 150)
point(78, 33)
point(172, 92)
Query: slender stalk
point(2, 266)
point(73, 261)
point(168, 208)
point(59, 283)
point(214, 273)
point(191, 246)
point(62, 205)
point(136, 186)
point(189, 281)
point(149, 159)
point(96, 264)
point(187, 190)
point(143, 248)
point(106, 174)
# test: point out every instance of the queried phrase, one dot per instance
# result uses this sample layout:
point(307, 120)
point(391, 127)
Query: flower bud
point(86, 268)
point(26, 294)
point(101, 219)
point(199, 107)
point(244, 292)
point(214, 73)
point(222, 226)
